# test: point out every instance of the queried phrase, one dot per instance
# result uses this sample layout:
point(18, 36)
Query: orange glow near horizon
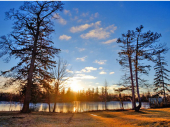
point(75, 86)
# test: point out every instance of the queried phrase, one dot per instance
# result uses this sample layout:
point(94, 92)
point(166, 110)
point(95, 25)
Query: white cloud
point(78, 71)
point(59, 19)
point(62, 21)
point(98, 23)
point(100, 61)
point(66, 51)
point(102, 73)
point(83, 76)
point(64, 37)
point(99, 33)
point(80, 28)
point(82, 58)
point(111, 73)
point(67, 12)
point(69, 71)
point(100, 68)
point(110, 41)
point(80, 49)
point(75, 29)
point(88, 69)
point(111, 28)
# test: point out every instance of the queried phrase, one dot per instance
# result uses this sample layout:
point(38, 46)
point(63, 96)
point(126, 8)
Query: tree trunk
point(105, 105)
point(131, 75)
point(49, 101)
point(136, 77)
point(55, 100)
point(163, 86)
point(27, 99)
point(49, 107)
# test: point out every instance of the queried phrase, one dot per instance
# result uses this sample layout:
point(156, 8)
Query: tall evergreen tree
point(125, 54)
point(161, 76)
point(30, 42)
point(145, 49)
point(137, 46)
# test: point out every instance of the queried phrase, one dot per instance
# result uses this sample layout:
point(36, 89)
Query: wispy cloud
point(100, 68)
point(62, 21)
point(67, 12)
point(85, 14)
point(75, 29)
point(59, 19)
point(95, 15)
point(102, 72)
point(82, 58)
point(99, 33)
point(64, 37)
point(110, 41)
point(66, 51)
point(78, 72)
point(100, 61)
point(75, 18)
point(111, 73)
point(88, 69)
point(80, 49)
point(83, 76)
point(96, 33)
point(69, 71)
point(76, 9)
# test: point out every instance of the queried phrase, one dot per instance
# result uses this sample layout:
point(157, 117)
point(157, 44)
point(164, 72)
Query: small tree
point(105, 93)
point(61, 75)
point(119, 91)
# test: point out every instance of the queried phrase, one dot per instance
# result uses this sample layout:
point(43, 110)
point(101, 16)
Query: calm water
point(75, 106)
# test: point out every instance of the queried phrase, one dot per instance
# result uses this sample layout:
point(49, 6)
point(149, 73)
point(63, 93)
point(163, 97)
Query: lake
point(75, 106)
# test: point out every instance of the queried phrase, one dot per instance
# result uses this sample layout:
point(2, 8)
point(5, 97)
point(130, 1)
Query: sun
point(75, 86)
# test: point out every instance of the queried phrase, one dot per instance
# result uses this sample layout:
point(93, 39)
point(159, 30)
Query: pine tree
point(161, 76)
point(137, 46)
point(127, 50)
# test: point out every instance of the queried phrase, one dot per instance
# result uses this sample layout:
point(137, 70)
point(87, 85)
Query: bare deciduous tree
point(61, 75)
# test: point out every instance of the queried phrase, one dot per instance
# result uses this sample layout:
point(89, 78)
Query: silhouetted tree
point(160, 76)
point(145, 49)
point(61, 75)
point(119, 91)
point(127, 49)
point(30, 42)
point(48, 92)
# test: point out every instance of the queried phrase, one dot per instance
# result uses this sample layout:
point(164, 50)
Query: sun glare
point(75, 86)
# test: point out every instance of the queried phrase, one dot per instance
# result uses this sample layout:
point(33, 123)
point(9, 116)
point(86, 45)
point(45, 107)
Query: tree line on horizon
point(30, 42)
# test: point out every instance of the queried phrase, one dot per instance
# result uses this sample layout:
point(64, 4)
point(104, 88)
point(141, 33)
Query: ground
point(146, 118)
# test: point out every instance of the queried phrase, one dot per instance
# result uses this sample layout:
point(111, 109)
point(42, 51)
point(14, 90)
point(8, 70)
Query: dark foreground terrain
point(146, 118)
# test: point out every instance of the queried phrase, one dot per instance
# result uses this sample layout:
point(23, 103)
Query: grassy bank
point(146, 117)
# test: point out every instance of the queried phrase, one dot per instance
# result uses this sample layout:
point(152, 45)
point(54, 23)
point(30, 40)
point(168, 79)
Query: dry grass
point(148, 118)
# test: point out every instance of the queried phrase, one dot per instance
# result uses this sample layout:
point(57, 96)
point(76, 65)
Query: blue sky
point(87, 31)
